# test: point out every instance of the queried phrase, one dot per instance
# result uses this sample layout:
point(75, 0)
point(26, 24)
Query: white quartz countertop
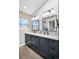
point(53, 36)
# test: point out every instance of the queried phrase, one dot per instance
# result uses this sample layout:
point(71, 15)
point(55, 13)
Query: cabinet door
point(53, 49)
point(28, 39)
point(44, 47)
point(35, 42)
point(56, 49)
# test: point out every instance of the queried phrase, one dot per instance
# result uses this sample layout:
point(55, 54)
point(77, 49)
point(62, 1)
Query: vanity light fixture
point(35, 18)
point(46, 14)
point(53, 12)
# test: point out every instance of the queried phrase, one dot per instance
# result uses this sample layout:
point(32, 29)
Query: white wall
point(48, 5)
point(21, 37)
point(22, 30)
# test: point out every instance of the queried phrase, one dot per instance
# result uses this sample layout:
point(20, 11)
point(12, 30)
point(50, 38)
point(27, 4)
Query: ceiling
point(31, 5)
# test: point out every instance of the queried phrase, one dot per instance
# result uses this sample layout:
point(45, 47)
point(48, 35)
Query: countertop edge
point(55, 37)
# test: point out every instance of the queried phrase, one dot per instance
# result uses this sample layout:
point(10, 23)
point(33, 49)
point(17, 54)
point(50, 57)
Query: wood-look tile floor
point(26, 53)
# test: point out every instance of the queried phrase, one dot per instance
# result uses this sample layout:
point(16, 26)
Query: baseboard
point(21, 45)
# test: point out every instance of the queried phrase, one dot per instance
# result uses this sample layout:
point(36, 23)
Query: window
point(23, 22)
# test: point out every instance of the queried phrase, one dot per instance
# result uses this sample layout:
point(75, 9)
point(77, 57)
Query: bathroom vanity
point(46, 46)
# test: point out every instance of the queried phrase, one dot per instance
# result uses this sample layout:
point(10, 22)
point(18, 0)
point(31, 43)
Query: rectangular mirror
point(35, 25)
point(50, 23)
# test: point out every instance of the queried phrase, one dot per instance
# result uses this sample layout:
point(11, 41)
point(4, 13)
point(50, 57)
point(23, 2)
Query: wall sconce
point(35, 18)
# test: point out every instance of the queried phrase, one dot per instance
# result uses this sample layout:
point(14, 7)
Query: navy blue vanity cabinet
point(53, 49)
point(35, 42)
point(44, 46)
point(56, 49)
point(48, 48)
point(28, 39)
point(26, 36)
